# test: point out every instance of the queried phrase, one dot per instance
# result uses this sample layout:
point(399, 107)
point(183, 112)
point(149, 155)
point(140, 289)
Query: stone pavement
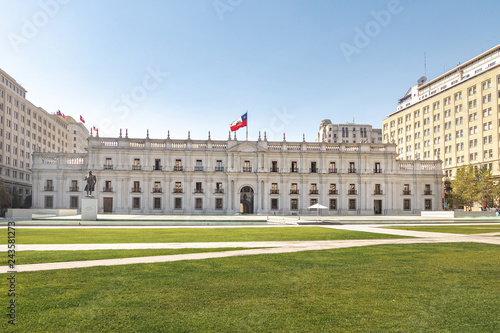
point(419, 237)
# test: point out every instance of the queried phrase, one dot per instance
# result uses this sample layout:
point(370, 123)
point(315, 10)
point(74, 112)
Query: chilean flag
point(82, 120)
point(239, 123)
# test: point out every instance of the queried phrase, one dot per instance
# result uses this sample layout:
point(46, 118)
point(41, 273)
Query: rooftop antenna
point(425, 64)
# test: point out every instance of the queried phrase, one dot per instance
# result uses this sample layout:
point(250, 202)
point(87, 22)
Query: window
point(377, 168)
point(378, 189)
point(246, 166)
point(313, 168)
point(137, 164)
point(198, 203)
point(218, 166)
point(178, 165)
point(177, 203)
point(274, 204)
point(352, 204)
point(136, 203)
point(73, 202)
point(157, 164)
point(406, 204)
point(157, 187)
point(294, 167)
point(108, 164)
point(274, 188)
point(427, 189)
point(274, 166)
point(333, 204)
point(198, 187)
point(294, 189)
point(428, 204)
point(199, 166)
point(333, 188)
point(313, 202)
point(218, 188)
point(314, 189)
point(332, 169)
point(107, 186)
point(74, 186)
point(137, 186)
point(178, 187)
point(49, 202)
point(406, 189)
point(352, 167)
point(352, 189)
point(294, 204)
point(49, 186)
point(218, 203)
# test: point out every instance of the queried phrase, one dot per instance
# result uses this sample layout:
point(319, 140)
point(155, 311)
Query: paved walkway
point(265, 247)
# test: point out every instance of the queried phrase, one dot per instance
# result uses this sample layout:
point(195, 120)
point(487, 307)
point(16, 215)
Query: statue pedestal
point(89, 209)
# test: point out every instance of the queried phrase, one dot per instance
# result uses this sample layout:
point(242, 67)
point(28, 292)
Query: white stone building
point(348, 133)
point(168, 176)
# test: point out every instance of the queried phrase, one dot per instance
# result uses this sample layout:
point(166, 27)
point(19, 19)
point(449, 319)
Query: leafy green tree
point(5, 197)
point(486, 186)
point(465, 187)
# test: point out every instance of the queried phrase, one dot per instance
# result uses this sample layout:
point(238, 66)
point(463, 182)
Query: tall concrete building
point(348, 133)
point(454, 117)
point(26, 128)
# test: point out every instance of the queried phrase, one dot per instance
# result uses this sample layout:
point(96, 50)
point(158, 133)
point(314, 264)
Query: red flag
point(82, 120)
point(239, 123)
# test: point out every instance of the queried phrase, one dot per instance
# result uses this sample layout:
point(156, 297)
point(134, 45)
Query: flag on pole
point(81, 119)
point(95, 129)
point(239, 123)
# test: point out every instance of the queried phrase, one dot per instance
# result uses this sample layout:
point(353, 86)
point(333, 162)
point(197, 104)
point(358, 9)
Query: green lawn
point(389, 288)
point(183, 235)
point(36, 257)
point(454, 229)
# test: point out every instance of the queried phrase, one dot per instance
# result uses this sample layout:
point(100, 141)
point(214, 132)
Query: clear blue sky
point(290, 63)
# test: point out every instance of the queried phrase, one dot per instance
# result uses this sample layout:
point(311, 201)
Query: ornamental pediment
point(247, 147)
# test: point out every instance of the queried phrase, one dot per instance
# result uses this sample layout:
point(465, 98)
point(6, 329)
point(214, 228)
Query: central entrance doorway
point(377, 207)
point(246, 200)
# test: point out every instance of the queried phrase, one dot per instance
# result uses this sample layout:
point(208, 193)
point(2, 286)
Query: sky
point(198, 65)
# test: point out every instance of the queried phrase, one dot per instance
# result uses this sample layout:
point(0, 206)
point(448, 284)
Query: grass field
point(389, 288)
point(454, 229)
point(183, 235)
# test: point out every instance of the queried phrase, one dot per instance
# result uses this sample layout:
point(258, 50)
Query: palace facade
point(167, 176)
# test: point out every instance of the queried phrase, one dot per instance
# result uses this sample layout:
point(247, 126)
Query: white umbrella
point(318, 207)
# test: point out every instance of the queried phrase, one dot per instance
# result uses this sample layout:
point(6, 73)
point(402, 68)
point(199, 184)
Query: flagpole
point(247, 125)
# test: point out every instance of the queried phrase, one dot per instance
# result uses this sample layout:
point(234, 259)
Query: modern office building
point(26, 128)
point(348, 133)
point(454, 117)
point(228, 177)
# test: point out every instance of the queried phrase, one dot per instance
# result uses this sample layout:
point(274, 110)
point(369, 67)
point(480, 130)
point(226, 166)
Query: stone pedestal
point(89, 209)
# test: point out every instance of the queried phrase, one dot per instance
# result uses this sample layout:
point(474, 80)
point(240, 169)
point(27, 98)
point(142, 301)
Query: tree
point(465, 188)
point(5, 197)
point(487, 189)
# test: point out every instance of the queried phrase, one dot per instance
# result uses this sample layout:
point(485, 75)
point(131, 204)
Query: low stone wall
point(444, 214)
point(16, 213)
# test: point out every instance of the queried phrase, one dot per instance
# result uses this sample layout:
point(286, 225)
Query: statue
point(91, 180)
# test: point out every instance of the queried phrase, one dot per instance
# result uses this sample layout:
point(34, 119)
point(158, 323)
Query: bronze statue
point(91, 180)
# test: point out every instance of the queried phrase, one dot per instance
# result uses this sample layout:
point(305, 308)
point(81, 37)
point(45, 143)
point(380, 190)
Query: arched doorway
point(246, 200)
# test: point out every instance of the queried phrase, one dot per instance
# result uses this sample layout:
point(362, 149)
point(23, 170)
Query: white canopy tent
point(317, 207)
